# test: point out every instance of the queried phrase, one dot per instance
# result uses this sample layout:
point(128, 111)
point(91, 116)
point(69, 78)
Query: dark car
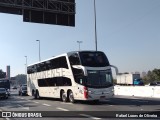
point(23, 90)
point(155, 83)
point(158, 83)
point(3, 93)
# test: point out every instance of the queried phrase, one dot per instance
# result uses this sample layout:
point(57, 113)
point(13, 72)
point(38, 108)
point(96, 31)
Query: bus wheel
point(71, 97)
point(95, 101)
point(36, 94)
point(64, 96)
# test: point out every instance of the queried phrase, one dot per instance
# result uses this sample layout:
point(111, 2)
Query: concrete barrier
point(140, 91)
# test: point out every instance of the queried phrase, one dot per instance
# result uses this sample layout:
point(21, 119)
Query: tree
point(156, 74)
point(21, 79)
point(2, 74)
point(152, 76)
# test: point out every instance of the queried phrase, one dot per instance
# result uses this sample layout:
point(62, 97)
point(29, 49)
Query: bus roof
point(64, 54)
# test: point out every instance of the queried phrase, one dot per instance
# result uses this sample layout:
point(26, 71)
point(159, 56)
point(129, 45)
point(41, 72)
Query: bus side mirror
point(77, 70)
point(116, 69)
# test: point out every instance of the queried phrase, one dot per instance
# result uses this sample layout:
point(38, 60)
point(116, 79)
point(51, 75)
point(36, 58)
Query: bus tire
point(95, 101)
point(36, 94)
point(38, 97)
point(71, 97)
point(64, 96)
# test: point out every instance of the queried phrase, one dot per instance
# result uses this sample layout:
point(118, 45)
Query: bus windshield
point(94, 59)
point(99, 79)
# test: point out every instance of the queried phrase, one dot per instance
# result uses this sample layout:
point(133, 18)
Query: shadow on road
point(137, 101)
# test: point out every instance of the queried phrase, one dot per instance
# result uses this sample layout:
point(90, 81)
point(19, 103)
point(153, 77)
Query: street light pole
point(39, 50)
point(95, 24)
point(26, 65)
point(79, 42)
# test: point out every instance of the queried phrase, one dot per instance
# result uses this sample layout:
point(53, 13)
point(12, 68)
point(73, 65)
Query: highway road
point(118, 105)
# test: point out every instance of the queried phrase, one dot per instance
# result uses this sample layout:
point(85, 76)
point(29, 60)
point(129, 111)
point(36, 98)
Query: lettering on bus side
point(47, 74)
point(52, 73)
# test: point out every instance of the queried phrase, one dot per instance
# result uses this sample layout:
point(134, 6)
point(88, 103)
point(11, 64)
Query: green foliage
point(156, 74)
point(2, 74)
point(152, 76)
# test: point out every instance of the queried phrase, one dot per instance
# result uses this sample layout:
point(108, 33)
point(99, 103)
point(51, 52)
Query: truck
point(4, 83)
point(129, 79)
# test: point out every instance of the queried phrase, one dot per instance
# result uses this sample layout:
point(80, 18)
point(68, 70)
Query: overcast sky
point(128, 32)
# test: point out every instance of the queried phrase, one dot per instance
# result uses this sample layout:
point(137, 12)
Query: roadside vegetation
point(152, 76)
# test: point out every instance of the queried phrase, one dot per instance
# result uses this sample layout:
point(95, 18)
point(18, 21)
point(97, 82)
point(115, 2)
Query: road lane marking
point(21, 107)
point(7, 118)
point(62, 109)
point(26, 108)
point(46, 104)
point(35, 102)
point(67, 103)
point(89, 116)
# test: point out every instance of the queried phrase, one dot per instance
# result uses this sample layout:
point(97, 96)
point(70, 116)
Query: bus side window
point(74, 59)
point(66, 81)
point(29, 71)
point(80, 80)
point(38, 68)
point(41, 67)
point(54, 63)
point(63, 62)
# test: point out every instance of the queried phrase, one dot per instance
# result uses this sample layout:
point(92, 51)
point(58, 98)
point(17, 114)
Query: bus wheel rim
point(71, 96)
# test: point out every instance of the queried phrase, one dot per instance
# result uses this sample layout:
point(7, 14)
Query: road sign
point(58, 12)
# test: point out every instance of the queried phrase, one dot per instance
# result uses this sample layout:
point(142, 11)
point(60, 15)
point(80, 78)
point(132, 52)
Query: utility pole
point(79, 42)
point(39, 50)
point(95, 24)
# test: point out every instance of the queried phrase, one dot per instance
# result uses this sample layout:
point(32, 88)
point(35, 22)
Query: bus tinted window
point(74, 59)
point(56, 81)
point(56, 63)
point(63, 62)
point(60, 62)
point(29, 70)
point(99, 79)
point(94, 59)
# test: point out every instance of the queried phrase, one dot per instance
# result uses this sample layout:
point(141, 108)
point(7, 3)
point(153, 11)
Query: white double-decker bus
point(79, 75)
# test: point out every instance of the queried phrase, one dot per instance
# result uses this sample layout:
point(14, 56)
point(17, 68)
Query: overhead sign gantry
point(58, 12)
